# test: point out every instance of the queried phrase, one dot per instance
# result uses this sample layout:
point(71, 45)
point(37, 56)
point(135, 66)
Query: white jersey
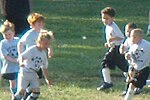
point(34, 59)
point(29, 38)
point(113, 30)
point(9, 48)
point(140, 54)
point(127, 44)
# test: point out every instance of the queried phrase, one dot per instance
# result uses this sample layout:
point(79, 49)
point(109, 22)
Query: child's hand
point(49, 82)
point(21, 64)
point(127, 56)
point(50, 53)
point(122, 49)
point(106, 45)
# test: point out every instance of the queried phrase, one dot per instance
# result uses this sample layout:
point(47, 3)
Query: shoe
point(104, 86)
point(138, 91)
point(123, 93)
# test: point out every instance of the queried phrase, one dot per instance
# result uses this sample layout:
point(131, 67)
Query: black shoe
point(138, 91)
point(104, 86)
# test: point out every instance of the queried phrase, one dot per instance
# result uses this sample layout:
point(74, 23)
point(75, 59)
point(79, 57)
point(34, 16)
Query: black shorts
point(40, 74)
point(141, 77)
point(113, 58)
point(10, 76)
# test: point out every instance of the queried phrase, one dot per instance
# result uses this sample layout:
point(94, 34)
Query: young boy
point(36, 22)
point(30, 62)
point(125, 47)
point(114, 38)
point(139, 54)
point(9, 54)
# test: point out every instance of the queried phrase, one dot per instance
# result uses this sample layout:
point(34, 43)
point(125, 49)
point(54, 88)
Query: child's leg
point(34, 95)
point(13, 87)
point(19, 95)
point(106, 75)
point(130, 92)
point(28, 92)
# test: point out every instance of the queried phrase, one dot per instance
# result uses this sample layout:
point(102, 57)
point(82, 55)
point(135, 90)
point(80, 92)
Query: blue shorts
point(10, 76)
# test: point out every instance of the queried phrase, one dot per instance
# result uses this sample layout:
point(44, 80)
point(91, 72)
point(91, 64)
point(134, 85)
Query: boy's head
point(136, 35)
point(8, 30)
point(44, 39)
point(128, 28)
point(36, 20)
point(107, 15)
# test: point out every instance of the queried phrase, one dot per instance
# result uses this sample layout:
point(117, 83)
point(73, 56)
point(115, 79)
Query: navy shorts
point(10, 76)
point(113, 58)
point(141, 77)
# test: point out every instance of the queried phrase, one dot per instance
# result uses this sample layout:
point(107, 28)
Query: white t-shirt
point(29, 38)
point(34, 59)
point(140, 53)
point(127, 44)
point(113, 30)
point(9, 48)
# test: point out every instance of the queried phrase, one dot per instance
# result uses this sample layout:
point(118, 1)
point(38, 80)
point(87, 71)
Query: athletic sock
point(147, 82)
point(129, 94)
point(106, 75)
point(13, 90)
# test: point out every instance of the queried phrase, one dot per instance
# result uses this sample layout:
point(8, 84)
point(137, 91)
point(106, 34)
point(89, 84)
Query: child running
point(139, 55)
point(114, 38)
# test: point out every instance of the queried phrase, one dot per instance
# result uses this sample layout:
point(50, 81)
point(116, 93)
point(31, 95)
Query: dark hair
point(109, 10)
point(132, 25)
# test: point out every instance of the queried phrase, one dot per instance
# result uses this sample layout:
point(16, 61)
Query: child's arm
point(122, 49)
point(50, 52)
point(14, 60)
point(2, 5)
point(45, 73)
point(20, 47)
point(21, 60)
point(113, 38)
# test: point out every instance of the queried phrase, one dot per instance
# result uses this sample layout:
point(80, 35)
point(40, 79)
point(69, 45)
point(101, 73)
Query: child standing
point(9, 55)
point(139, 55)
point(30, 62)
point(114, 38)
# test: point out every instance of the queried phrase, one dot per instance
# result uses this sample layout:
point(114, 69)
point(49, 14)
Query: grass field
point(76, 63)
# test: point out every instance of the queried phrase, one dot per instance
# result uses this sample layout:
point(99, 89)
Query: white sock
point(106, 75)
point(129, 94)
point(147, 82)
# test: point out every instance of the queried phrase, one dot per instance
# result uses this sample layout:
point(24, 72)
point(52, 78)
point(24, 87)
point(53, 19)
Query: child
point(30, 62)
point(125, 47)
point(139, 54)
point(36, 22)
point(114, 38)
point(9, 55)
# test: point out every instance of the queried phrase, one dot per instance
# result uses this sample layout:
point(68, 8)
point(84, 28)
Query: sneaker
point(105, 85)
point(123, 93)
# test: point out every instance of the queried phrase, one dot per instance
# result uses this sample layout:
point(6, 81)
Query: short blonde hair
point(137, 32)
point(44, 34)
point(35, 17)
point(6, 26)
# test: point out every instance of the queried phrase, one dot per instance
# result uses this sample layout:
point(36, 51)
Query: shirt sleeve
point(3, 49)
point(28, 53)
point(25, 38)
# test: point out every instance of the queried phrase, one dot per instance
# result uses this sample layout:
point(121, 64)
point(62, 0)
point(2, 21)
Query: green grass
point(76, 62)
